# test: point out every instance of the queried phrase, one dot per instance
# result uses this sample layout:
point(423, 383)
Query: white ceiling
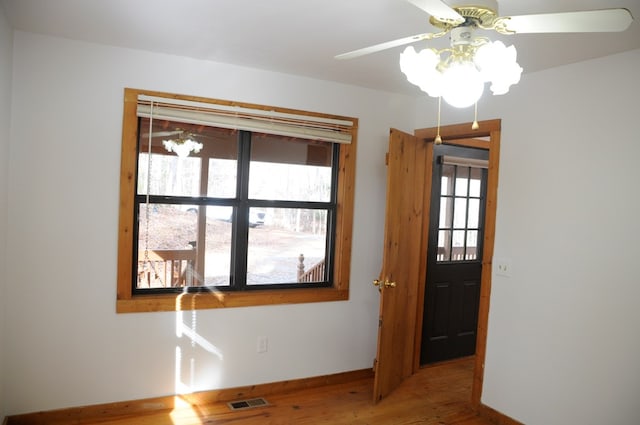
point(302, 36)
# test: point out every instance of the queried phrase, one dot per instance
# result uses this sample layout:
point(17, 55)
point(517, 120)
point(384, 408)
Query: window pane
point(474, 182)
point(474, 213)
point(472, 238)
point(222, 178)
point(446, 212)
point(170, 226)
point(221, 147)
point(472, 244)
point(217, 257)
point(446, 182)
point(458, 237)
point(290, 169)
point(444, 239)
point(166, 242)
point(170, 175)
point(219, 213)
point(457, 253)
point(274, 248)
point(460, 213)
point(462, 179)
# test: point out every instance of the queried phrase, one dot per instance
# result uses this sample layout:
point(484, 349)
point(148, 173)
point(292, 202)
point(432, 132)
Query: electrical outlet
point(503, 267)
point(262, 344)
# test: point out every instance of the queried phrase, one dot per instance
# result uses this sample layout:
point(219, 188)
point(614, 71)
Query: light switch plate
point(262, 344)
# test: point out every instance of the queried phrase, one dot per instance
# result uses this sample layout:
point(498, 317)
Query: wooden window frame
point(128, 302)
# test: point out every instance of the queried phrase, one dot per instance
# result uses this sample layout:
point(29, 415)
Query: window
point(228, 205)
point(462, 193)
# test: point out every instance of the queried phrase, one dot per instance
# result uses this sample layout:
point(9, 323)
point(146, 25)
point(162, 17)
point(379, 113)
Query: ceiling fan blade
point(438, 9)
point(384, 46)
point(606, 20)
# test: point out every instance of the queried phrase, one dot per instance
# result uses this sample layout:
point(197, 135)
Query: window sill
point(196, 301)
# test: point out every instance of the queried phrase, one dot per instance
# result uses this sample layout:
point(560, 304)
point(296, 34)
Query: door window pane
point(462, 180)
point(472, 238)
point(446, 182)
point(457, 253)
point(472, 245)
point(474, 213)
point(475, 181)
point(458, 237)
point(460, 213)
point(444, 245)
point(446, 211)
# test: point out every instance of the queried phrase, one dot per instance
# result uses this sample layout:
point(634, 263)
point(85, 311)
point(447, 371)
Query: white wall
point(564, 330)
point(6, 44)
point(66, 346)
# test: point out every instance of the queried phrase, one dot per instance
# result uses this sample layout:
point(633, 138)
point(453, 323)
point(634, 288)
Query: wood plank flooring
point(436, 395)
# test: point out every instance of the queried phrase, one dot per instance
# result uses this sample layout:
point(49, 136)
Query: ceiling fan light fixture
point(458, 74)
point(462, 84)
point(182, 147)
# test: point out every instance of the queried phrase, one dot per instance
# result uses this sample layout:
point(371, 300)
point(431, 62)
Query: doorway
point(404, 267)
point(454, 253)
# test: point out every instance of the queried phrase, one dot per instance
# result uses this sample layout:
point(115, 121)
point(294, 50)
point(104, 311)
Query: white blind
point(246, 118)
point(465, 162)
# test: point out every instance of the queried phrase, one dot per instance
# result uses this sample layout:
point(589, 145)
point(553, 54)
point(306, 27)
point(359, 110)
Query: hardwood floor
point(436, 395)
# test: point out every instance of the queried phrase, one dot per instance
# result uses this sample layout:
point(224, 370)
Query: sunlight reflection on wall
point(198, 364)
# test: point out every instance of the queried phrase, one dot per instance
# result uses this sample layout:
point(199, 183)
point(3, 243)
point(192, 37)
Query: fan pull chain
point(475, 124)
point(438, 139)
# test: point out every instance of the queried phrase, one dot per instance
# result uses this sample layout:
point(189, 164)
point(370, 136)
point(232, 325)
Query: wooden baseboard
point(107, 411)
point(496, 417)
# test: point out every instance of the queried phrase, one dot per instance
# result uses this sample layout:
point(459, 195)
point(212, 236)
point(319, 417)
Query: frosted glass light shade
point(498, 65)
point(421, 70)
point(462, 84)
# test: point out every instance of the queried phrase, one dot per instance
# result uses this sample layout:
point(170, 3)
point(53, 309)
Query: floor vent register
point(247, 404)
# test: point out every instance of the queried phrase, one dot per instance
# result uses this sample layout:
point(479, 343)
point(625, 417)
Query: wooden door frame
point(463, 135)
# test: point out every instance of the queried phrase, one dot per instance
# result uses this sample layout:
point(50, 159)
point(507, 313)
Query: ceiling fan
point(473, 60)
point(484, 14)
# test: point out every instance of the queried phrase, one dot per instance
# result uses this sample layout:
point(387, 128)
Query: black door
point(454, 253)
